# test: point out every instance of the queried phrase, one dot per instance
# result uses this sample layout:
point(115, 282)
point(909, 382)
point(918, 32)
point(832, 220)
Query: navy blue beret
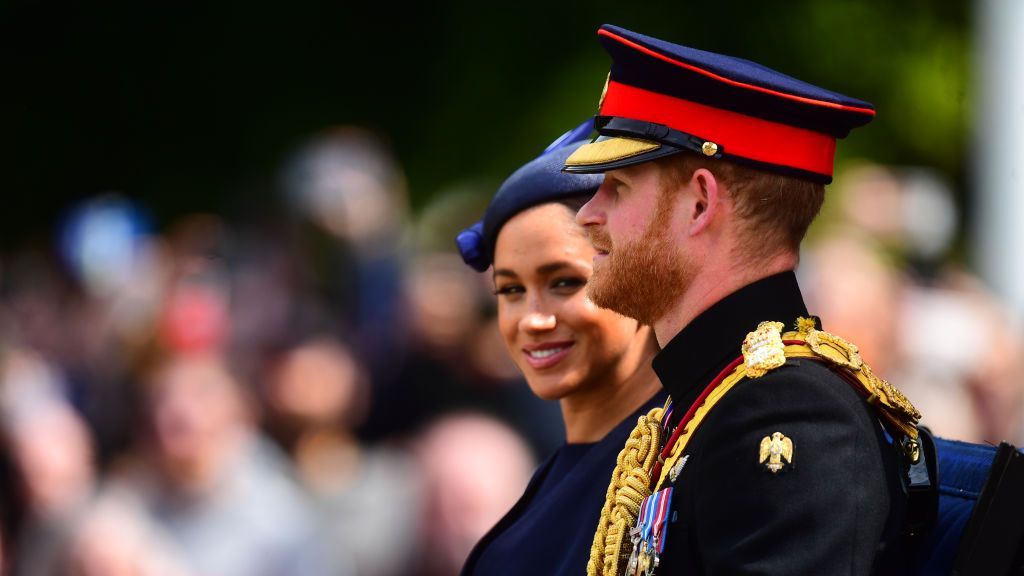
point(663, 98)
point(537, 182)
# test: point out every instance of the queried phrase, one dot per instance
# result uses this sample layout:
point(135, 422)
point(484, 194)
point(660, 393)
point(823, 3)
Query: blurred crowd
point(321, 388)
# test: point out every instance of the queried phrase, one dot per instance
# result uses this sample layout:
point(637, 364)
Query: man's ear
point(705, 201)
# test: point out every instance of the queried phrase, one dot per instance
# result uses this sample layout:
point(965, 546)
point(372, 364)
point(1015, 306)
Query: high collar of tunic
point(713, 339)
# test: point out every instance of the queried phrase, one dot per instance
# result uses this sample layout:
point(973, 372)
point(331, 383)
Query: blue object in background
point(100, 240)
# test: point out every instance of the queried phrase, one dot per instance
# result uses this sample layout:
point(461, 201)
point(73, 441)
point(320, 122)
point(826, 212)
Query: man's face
point(638, 270)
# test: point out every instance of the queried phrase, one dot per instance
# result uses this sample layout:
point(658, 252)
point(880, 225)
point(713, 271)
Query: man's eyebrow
point(618, 176)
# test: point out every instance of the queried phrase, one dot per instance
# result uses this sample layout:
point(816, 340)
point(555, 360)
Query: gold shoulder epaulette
point(767, 348)
point(809, 342)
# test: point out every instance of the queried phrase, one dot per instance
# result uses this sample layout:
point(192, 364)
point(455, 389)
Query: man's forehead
point(636, 173)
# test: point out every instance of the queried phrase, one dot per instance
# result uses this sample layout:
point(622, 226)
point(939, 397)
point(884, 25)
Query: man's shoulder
point(799, 382)
point(803, 403)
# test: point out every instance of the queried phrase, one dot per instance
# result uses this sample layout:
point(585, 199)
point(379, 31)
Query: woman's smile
point(548, 354)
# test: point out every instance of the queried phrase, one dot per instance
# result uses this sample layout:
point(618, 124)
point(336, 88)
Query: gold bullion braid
point(630, 484)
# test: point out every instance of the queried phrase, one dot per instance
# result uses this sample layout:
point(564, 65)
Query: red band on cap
point(725, 80)
point(737, 134)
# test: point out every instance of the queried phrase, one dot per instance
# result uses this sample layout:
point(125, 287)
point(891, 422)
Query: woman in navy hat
point(596, 363)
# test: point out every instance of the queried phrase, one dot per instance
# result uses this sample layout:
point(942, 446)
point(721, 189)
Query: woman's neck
point(589, 415)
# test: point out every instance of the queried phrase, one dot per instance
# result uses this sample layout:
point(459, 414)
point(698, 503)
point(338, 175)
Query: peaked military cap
point(537, 182)
point(662, 99)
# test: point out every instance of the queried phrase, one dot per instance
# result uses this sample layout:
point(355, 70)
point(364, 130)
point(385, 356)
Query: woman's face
point(560, 340)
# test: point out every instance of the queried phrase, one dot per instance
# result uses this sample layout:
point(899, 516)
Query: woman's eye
point(509, 290)
point(568, 285)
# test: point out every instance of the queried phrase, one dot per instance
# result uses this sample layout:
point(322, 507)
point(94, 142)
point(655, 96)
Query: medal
point(649, 534)
point(638, 560)
point(644, 563)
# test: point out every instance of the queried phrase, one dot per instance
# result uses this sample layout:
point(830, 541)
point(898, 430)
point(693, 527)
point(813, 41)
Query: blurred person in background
point(594, 362)
point(207, 476)
point(474, 467)
point(88, 306)
point(368, 499)
point(115, 539)
point(350, 202)
point(51, 454)
point(73, 524)
point(885, 257)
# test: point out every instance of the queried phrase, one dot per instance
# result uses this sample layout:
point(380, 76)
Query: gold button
point(709, 148)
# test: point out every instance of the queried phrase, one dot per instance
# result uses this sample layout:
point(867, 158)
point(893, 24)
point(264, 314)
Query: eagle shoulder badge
point(776, 452)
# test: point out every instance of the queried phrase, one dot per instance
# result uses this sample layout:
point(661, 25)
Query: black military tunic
point(831, 511)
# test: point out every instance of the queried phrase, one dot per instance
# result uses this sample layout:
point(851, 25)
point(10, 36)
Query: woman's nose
point(537, 321)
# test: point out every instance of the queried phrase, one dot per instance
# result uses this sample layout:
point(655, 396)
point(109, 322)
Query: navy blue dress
point(551, 527)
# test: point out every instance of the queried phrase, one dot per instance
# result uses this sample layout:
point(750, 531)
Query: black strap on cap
point(629, 128)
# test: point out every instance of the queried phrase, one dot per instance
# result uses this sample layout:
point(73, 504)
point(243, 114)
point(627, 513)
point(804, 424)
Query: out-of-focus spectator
point(858, 292)
point(368, 499)
point(476, 468)
point(348, 185)
point(909, 211)
point(52, 456)
point(873, 305)
point(68, 529)
point(346, 181)
point(117, 272)
point(961, 360)
point(114, 538)
point(213, 483)
point(881, 277)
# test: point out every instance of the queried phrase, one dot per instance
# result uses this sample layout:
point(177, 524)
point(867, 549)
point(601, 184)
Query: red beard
point(643, 278)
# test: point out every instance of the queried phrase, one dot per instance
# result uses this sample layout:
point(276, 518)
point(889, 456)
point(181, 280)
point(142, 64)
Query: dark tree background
point(192, 106)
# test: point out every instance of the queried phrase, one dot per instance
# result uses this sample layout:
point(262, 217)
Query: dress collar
point(713, 339)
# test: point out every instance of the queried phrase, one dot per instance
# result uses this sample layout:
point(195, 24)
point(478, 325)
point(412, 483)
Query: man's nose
point(592, 213)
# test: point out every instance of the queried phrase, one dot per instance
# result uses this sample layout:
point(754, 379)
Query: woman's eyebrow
point(542, 270)
point(550, 267)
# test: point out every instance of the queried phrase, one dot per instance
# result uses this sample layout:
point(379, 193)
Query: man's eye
point(616, 187)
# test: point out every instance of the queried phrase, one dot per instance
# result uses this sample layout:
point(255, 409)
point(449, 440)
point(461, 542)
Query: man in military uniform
point(781, 453)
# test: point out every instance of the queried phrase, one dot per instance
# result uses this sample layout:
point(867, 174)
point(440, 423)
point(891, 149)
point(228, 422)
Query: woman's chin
point(551, 386)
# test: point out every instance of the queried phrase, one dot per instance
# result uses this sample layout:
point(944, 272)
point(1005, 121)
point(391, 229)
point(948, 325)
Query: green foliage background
point(193, 106)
